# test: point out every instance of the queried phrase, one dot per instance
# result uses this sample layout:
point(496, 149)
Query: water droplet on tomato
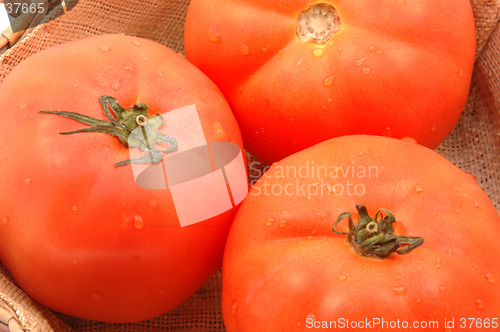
point(490, 278)
point(460, 72)
point(418, 188)
point(379, 52)
point(75, 262)
point(449, 250)
point(359, 62)
point(310, 317)
point(401, 2)
point(471, 176)
point(128, 66)
point(23, 106)
point(96, 296)
point(136, 43)
point(153, 204)
point(264, 49)
point(244, 49)
point(104, 48)
point(409, 140)
point(234, 307)
point(269, 221)
point(476, 204)
point(433, 127)
point(479, 303)
point(138, 222)
point(447, 329)
point(340, 49)
point(342, 278)
point(74, 208)
point(5, 220)
point(372, 48)
point(387, 132)
point(442, 289)
point(291, 121)
point(239, 292)
point(366, 71)
point(240, 89)
point(400, 290)
point(282, 223)
point(330, 100)
point(214, 34)
point(298, 323)
point(434, 215)
point(27, 181)
point(280, 208)
point(328, 80)
point(318, 52)
point(281, 52)
point(438, 263)
point(361, 153)
point(331, 43)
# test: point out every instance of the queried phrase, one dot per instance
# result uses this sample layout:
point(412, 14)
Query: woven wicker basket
point(474, 144)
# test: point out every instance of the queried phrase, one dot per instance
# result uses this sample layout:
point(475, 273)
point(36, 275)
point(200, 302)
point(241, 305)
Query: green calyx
point(122, 122)
point(376, 238)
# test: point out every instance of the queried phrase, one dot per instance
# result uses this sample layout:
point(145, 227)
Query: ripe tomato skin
point(277, 276)
point(390, 65)
point(68, 234)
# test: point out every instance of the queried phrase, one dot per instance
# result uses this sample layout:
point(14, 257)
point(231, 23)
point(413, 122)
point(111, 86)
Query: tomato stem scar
point(318, 24)
point(123, 125)
point(376, 238)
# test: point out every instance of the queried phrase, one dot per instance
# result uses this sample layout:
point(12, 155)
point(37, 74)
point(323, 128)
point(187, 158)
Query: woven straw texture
point(473, 145)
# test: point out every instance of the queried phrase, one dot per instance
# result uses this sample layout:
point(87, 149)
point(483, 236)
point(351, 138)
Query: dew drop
point(136, 43)
point(213, 34)
point(379, 52)
point(27, 181)
point(281, 52)
point(239, 292)
point(471, 176)
point(310, 317)
point(361, 153)
point(269, 221)
point(128, 66)
point(299, 323)
point(240, 89)
point(401, 2)
point(340, 49)
point(372, 48)
point(366, 71)
point(318, 52)
point(234, 307)
point(23, 106)
point(74, 208)
point(442, 289)
point(460, 72)
point(434, 215)
point(387, 132)
point(438, 263)
point(5, 220)
point(264, 49)
point(447, 329)
point(490, 278)
point(418, 188)
point(282, 223)
point(328, 80)
point(75, 261)
point(342, 278)
point(330, 100)
point(153, 204)
point(359, 62)
point(138, 222)
point(244, 49)
point(96, 296)
point(409, 140)
point(331, 43)
point(400, 290)
point(433, 128)
point(75, 85)
point(479, 303)
point(104, 48)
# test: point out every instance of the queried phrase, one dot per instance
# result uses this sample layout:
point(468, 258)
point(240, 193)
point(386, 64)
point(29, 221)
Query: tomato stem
point(376, 238)
point(123, 124)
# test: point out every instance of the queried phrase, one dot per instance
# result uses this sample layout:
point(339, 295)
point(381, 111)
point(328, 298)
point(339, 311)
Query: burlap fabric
point(474, 144)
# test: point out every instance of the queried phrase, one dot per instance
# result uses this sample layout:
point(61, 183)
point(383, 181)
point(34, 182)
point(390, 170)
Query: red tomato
point(284, 268)
point(394, 68)
point(78, 234)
